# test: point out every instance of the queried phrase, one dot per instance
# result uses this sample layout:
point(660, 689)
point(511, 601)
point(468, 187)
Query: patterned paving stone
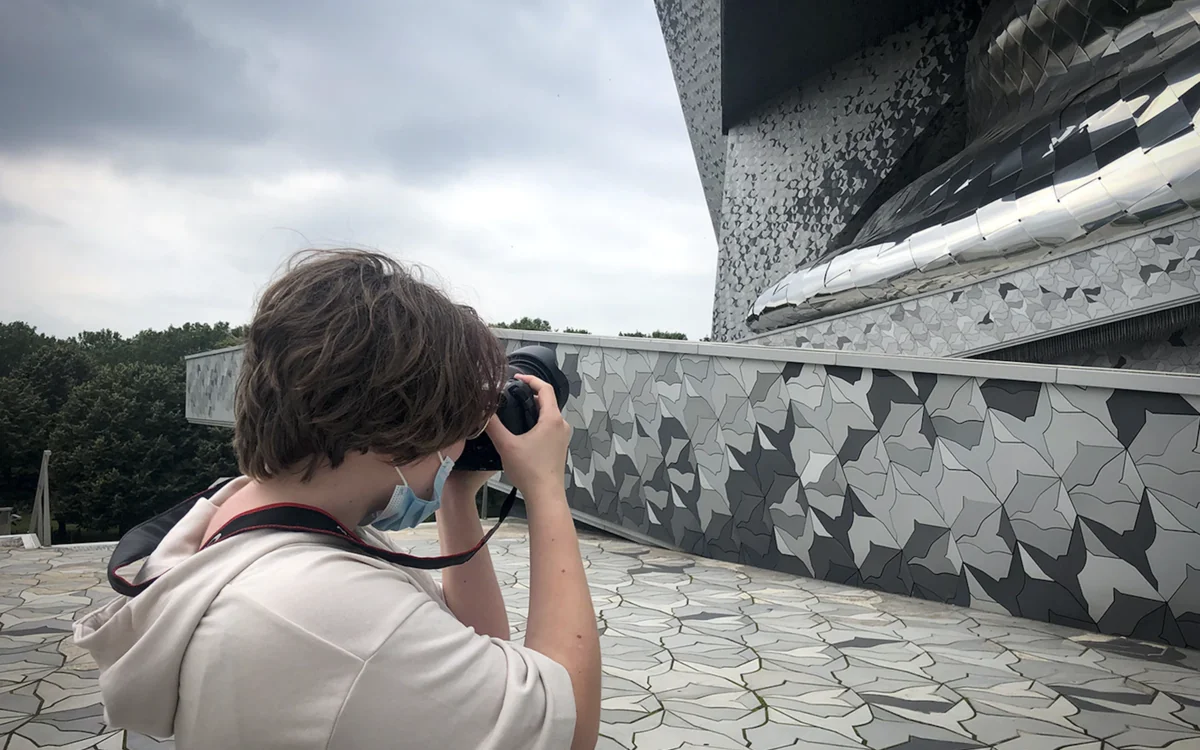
point(700, 653)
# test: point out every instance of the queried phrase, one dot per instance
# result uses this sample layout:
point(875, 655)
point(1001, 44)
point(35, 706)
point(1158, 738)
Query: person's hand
point(464, 483)
point(535, 461)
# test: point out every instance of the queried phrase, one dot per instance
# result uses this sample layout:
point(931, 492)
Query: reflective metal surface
point(1084, 115)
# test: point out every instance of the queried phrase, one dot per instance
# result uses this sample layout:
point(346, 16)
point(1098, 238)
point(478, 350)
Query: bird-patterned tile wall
point(807, 163)
point(1140, 273)
point(691, 30)
point(1072, 505)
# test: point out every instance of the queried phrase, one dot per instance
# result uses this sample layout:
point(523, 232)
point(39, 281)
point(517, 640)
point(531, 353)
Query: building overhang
point(770, 46)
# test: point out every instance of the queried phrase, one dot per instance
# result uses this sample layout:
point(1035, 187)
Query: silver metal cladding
point(1083, 116)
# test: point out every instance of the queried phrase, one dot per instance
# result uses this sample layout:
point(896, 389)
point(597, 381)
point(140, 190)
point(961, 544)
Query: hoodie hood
point(139, 643)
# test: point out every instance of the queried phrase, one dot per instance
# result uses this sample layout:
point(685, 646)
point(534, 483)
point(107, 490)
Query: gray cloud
point(428, 90)
point(75, 74)
point(207, 101)
point(11, 213)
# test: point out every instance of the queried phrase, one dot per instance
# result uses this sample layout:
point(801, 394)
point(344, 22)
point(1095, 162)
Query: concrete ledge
point(210, 422)
point(967, 368)
point(971, 368)
point(19, 541)
point(770, 353)
point(214, 352)
point(1134, 380)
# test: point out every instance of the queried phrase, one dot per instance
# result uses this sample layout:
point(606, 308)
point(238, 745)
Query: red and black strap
point(144, 538)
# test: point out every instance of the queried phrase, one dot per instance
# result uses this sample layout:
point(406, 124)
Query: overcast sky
point(159, 160)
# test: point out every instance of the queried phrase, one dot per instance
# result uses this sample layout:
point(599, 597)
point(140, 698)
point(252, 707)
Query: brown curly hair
point(351, 351)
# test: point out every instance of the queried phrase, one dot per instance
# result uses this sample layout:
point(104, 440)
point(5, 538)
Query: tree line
point(111, 410)
point(541, 324)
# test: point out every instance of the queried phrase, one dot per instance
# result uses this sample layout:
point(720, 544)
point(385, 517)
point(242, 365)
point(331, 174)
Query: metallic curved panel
point(1087, 130)
point(1032, 54)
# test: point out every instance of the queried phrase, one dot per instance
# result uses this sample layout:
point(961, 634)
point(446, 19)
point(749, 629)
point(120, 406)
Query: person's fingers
point(533, 381)
point(547, 401)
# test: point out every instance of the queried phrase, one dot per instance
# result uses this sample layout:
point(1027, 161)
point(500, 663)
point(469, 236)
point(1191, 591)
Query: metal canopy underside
point(769, 46)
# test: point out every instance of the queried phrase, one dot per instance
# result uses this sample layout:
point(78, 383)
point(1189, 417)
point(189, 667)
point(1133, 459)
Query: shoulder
point(284, 642)
point(421, 577)
point(501, 695)
point(342, 634)
point(328, 592)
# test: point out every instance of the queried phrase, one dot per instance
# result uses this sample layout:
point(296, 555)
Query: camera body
point(518, 410)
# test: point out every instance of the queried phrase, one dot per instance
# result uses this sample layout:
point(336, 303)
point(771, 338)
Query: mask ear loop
point(482, 430)
point(404, 479)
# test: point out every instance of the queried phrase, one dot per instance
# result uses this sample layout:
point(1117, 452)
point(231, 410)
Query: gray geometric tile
point(1021, 497)
point(700, 653)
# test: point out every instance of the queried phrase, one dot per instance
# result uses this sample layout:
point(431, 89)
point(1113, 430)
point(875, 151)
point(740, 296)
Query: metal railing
point(39, 521)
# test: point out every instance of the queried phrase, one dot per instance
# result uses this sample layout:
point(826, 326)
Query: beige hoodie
point(288, 640)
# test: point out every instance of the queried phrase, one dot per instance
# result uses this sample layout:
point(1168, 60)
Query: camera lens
point(517, 409)
point(540, 362)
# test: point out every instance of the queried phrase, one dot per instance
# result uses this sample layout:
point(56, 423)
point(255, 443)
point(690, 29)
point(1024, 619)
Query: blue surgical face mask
point(405, 509)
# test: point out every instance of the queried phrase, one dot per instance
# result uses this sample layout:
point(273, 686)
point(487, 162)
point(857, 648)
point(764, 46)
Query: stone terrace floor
point(705, 654)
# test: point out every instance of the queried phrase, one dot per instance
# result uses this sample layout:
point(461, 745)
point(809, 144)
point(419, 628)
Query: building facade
point(1008, 179)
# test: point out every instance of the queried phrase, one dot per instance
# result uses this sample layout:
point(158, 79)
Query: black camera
point(518, 410)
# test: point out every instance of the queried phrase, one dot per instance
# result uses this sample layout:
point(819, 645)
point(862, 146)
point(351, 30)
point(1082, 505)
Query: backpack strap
point(145, 537)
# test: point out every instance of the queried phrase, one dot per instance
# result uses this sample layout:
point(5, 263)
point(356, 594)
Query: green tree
point(236, 337)
point(526, 324)
point(169, 346)
point(105, 347)
point(54, 370)
point(676, 335)
point(23, 423)
point(124, 452)
point(656, 335)
point(575, 330)
point(17, 341)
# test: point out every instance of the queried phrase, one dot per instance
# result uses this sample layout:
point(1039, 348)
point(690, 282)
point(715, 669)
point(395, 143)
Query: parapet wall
point(1069, 495)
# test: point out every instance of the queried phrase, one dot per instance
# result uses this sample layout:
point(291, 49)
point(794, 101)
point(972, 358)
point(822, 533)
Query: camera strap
point(143, 539)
